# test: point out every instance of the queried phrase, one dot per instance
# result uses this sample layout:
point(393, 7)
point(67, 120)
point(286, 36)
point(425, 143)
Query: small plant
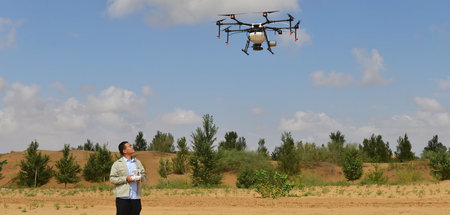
point(375, 176)
point(57, 206)
point(164, 169)
point(272, 185)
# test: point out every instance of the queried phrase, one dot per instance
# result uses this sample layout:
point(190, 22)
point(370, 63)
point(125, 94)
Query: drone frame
point(260, 27)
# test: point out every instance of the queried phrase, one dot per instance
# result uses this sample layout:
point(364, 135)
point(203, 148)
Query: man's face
point(128, 149)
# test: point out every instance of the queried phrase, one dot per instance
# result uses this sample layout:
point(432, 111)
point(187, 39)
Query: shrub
point(408, 174)
point(440, 164)
point(67, 167)
point(352, 165)
point(375, 176)
point(236, 161)
point(246, 178)
point(272, 185)
point(162, 142)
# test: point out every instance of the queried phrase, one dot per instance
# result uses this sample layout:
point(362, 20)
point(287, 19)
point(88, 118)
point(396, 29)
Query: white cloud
point(431, 119)
point(334, 79)
point(59, 86)
point(172, 12)
point(444, 84)
point(371, 66)
point(3, 84)
point(116, 100)
point(429, 105)
point(257, 111)
point(181, 117)
point(288, 40)
point(8, 32)
point(148, 91)
point(110, 116)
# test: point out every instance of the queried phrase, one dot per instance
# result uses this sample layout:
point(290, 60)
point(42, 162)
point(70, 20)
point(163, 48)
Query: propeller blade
point(219, 22)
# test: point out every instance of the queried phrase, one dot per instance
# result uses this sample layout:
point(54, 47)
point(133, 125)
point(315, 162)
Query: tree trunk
point(35, 178)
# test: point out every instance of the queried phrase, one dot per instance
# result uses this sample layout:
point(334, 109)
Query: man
point(126, 175)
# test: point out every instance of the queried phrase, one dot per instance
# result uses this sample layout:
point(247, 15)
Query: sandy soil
point(407, 199)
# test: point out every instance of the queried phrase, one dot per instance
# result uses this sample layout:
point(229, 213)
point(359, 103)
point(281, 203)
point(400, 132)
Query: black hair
point(122, 147)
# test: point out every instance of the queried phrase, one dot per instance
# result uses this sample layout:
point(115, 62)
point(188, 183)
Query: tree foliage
point(376, 150)
point(162, 142)
point(289, 159)
point(440, 165)
point(336, 147)
point(262, 149)
point(34, 170)
point(352, 165)
point(164, 169)
point(180, 162)
point(140, 144)
point(434, 145)
point(67, 168)
point(205, 160)
point(233, 142)
point(404, 152)
point(98, 166)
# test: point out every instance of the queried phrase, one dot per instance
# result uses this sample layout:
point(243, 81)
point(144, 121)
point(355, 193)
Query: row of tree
point(204, 160)
point(35, 170)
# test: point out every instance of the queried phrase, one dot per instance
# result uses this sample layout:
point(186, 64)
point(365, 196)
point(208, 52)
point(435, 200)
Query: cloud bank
point(175, 12)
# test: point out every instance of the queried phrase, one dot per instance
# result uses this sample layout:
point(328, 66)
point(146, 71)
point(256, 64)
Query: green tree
point(404, 152)
point(262, 149)
point(233, 142)
point(336, 147)
point(205, 160)
point(376, 150)
point(164, 169)
point(162, 142)
point(34, 170)
point(67, 168)
point(352, 165)
point(180, 162)
point(140, 142)
point(440, 165)
point(434, 145)
point(98, 167)
point(289, 159)
point(1, 167)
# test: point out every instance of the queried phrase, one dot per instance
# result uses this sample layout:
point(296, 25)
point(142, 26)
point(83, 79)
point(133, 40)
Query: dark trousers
point(128, 206)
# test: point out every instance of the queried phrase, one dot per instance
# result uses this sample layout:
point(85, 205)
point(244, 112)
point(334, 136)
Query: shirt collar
point(131, 161)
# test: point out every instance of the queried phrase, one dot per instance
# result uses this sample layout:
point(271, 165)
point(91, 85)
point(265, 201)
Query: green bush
point(272, 185)
point(375, 176)
point(236, 161)
point(246, 178)
point(352, 165)
point(440, 164)
point(408, 174)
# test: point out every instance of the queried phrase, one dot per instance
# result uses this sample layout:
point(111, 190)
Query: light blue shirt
point(132, 171)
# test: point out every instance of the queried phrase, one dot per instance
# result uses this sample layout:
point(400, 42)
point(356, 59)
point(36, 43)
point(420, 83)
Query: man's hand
point(129, 179)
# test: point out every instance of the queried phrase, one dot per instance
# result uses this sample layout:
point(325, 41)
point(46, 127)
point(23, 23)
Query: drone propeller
point(265, 13)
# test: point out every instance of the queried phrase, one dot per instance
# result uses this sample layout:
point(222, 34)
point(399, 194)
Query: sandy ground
point(406, 199)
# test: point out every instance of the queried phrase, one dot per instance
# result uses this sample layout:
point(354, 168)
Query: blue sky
point(104, 70)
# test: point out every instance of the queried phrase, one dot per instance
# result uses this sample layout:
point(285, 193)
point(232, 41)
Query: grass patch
point(174, 184)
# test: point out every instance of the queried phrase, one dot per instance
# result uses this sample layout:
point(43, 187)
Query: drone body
point(257, 32)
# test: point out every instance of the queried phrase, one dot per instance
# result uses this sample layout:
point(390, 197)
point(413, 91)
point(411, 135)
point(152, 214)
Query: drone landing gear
point(267, 41)
point(246, 46)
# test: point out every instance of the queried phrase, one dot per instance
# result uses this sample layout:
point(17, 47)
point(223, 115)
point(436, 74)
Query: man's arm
point(115, 177)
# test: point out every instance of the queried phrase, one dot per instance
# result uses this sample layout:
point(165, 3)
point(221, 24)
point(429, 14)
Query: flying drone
point(257, 32)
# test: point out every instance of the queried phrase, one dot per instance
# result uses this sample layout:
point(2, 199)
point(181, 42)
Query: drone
point(257, 32)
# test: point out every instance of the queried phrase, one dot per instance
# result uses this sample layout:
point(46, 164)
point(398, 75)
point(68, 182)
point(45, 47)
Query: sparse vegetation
point(34, 170)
